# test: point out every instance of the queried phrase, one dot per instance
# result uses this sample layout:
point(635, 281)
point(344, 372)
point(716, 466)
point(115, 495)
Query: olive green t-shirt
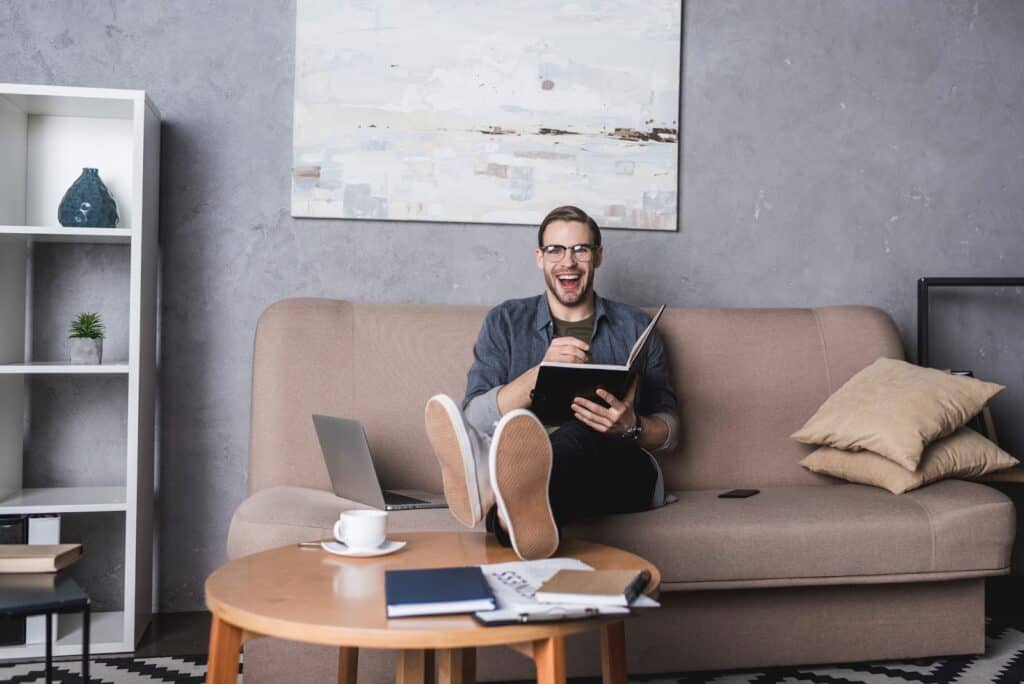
point(581, 330)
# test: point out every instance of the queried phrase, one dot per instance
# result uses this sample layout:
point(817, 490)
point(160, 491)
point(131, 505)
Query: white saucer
point(339, 549)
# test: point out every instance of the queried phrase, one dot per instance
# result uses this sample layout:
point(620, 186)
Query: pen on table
point(558, 615)
point(315, 544)
point(637, 585)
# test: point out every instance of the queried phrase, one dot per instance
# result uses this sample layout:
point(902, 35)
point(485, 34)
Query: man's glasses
point(580, 252)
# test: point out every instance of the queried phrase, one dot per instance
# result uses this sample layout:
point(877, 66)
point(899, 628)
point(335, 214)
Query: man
point(498, 462)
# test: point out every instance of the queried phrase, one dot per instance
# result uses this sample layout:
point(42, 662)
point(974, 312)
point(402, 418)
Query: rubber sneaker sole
point(450, 442)
point(520, 464)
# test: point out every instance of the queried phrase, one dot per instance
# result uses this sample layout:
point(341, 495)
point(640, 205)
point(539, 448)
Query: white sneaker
point(460, 452)
point(520, 468)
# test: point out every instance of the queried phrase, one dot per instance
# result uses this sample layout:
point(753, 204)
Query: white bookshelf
point(60, 368)
point(62, 234)
point(65, 500)
point(48, 134)
point(106, 630)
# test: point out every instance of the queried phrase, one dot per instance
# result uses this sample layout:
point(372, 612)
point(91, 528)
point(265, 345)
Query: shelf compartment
point(62, 368)
point(62, 234)
point(106, 635)
point(65, 500)
point(51, 137)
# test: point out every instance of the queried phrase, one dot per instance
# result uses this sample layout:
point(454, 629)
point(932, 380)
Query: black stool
point(49, 594)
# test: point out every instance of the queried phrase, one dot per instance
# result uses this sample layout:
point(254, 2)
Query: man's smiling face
point(569, 280)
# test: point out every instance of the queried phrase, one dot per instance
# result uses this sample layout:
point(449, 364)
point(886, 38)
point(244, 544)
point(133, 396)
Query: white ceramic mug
point(362, 529)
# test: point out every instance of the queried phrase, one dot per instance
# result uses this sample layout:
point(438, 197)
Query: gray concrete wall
point(833, 152)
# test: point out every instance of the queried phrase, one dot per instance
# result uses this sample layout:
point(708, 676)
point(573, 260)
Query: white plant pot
point(85, 350)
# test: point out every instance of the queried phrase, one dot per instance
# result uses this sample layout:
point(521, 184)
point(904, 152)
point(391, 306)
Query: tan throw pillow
point(964, 454)
point(895, 409)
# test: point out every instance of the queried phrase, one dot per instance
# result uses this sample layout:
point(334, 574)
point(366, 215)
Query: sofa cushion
point(896, 409)
point(963, 454)
point(287, 515)
point(818, 535)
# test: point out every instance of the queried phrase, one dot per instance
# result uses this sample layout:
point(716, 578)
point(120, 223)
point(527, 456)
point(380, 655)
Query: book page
point(641, 341)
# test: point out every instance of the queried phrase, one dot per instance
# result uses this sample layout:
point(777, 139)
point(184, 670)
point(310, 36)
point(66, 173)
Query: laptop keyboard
point(393, 499)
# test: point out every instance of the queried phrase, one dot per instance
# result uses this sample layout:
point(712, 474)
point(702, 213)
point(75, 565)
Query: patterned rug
point(183, 670)
point(1003, 663)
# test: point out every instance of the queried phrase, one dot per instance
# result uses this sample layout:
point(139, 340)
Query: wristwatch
point(633, 433)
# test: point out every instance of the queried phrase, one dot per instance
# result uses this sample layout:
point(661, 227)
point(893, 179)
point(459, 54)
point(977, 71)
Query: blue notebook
point(437, 591)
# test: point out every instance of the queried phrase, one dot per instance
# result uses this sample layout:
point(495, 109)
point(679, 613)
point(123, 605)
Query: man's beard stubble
point(584, 294)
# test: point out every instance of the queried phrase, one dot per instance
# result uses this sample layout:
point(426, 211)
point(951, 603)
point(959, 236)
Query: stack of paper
point(514, 586)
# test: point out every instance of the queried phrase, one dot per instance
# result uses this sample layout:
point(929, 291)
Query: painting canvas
point(467, 111)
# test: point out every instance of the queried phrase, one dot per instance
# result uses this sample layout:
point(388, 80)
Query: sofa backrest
point(745, 378)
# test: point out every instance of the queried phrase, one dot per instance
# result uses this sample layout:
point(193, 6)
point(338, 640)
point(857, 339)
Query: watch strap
point(633, 433)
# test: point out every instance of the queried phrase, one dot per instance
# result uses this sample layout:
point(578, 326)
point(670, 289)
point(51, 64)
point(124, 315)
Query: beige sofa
point(810, 570)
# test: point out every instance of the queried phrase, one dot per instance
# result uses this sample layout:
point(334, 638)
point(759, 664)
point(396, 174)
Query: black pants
point(593, 474)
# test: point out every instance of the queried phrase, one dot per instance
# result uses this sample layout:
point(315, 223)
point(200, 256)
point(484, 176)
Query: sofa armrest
point(277, 516)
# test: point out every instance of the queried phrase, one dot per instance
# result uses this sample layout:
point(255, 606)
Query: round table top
point(309, 595)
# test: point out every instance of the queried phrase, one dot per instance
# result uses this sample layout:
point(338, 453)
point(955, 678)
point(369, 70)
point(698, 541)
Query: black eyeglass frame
point(575, 250)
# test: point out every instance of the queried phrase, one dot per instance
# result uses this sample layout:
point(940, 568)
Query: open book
point(558, 383)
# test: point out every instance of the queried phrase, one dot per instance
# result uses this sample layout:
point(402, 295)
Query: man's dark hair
point(570, 213)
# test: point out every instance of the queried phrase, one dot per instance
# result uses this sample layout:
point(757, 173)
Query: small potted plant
point(85, 343)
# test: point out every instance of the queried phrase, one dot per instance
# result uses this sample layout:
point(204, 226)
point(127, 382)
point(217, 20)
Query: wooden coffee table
point(308, 595)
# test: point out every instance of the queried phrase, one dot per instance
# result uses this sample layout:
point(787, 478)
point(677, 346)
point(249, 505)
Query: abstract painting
point(487, 112)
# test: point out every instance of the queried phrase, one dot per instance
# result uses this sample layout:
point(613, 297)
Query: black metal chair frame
point(49, 613)
point(923, 284)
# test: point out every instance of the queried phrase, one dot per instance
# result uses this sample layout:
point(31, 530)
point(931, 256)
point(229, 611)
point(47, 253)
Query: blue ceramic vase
point(88, 204)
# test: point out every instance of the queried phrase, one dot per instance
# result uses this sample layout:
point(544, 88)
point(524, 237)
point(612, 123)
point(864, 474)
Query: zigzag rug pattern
point(1002, 663)
point(168, 670)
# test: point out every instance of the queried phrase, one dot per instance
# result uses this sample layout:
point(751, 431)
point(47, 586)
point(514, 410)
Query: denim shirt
point(517, 333)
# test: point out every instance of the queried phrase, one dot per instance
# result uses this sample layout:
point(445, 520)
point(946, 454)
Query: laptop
point(350, 465)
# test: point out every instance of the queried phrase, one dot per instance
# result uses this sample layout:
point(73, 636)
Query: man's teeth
point(568, 278)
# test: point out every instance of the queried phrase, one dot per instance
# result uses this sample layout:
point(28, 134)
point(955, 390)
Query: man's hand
point(568, 350)
point(618, 417)
point(516, 394)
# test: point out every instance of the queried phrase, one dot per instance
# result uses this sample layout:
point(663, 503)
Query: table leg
point(348, 664)
point(225, 642)
point(415, 667)
point(456, 666)
point(613, 653)
point(49, 648)
point(86, 614)
point(549, 657)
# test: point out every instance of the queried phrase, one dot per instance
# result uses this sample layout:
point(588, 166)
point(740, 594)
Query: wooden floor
point(176, 634)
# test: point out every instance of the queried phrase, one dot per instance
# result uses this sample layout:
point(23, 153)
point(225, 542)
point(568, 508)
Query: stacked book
point(594, 587)
point(22, 558)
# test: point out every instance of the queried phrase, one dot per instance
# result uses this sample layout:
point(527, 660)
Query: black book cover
point(559, 383)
